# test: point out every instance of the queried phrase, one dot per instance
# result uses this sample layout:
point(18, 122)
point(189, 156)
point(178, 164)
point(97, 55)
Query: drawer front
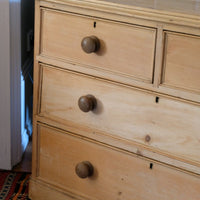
point(125, 49)
point(182, 61)
point(116, 175)
point(168, 125)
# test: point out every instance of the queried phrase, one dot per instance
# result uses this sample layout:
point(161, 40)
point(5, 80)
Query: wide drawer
point(125, 49)
point(182, 61)
point(159, 123)
point(116, 174)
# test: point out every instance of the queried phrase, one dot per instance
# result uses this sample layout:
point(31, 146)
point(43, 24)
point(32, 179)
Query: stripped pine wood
point(120, 45)
point(143, 180)
point(138, 137)
point(134, 116)
point(181, 62)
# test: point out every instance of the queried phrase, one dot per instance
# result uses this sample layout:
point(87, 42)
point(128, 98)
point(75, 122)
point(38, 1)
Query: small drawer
point(182, 61)
point(124, 49)
point(95, 171)
point(159, 123)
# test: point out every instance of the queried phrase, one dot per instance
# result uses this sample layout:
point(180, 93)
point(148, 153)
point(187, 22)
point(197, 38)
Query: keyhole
point(95, 24)
point(151, 166)
point(157, 99)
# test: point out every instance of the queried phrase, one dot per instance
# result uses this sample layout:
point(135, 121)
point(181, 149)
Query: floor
point(25, 164)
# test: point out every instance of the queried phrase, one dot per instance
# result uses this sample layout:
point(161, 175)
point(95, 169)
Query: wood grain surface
point(123, 112)
point(117, 175)
point(182, 61)
point(143, 137)
point(124, 49)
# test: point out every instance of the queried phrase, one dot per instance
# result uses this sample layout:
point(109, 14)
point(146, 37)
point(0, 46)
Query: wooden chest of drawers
point(116, 100)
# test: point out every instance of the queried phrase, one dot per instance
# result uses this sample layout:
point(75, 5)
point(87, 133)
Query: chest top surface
point(187, 7)
point(180, 6)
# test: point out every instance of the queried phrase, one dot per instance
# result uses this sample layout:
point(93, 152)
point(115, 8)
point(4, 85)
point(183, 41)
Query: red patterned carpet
point(14, 185)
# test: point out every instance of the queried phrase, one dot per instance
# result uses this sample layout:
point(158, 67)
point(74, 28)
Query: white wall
point(5, 132)
point(10, 124)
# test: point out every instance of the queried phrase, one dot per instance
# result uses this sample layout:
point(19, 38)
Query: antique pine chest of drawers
point(116, 100)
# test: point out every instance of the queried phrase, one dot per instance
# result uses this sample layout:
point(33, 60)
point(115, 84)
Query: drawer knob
point(90, 44)
point(84, 169)
point(87, 103)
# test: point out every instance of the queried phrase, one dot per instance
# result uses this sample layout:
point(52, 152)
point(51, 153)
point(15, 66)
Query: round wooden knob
point(87, 103)
point(84, 169)
point(90, 44)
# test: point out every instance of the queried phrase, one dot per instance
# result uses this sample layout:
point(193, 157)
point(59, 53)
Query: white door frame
point(10, 78)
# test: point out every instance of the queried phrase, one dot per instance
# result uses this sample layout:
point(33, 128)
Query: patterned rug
point(14, 185)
